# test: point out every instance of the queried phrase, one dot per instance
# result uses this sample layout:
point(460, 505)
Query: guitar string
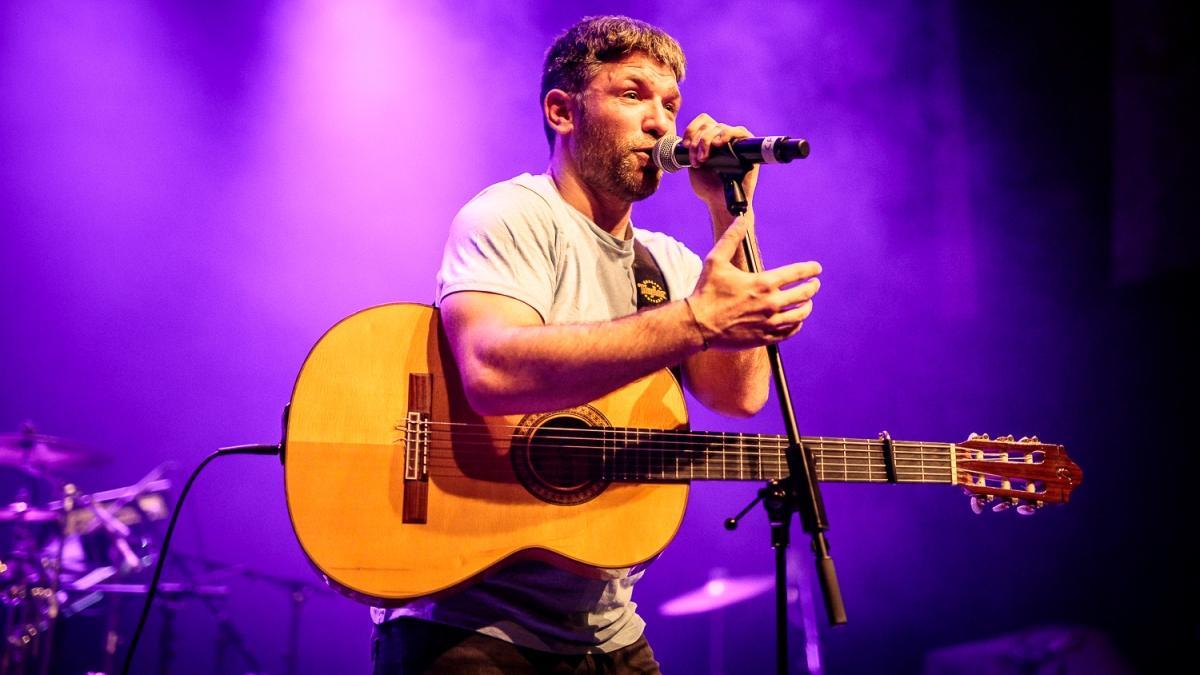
point(830, 444)
point(829, 477)
point(671, 450)
point(663, 455)
point(1039, 495)
point(907, 459)
point(707, 439)
point(446, 456)
point(488, 444)
point(677, 433)
point(689, 433)
point(928, 457)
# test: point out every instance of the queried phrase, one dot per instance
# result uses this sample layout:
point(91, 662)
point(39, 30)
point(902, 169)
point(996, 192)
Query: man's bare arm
point(511, 362)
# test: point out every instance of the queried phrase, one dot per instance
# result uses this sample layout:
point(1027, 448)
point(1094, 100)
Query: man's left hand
point(701, 136)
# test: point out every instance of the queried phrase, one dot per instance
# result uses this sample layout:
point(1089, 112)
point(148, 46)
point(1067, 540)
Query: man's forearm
point(538, 368)
point(733, 383)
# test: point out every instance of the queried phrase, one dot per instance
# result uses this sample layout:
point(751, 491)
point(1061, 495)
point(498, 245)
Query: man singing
point(540, 288)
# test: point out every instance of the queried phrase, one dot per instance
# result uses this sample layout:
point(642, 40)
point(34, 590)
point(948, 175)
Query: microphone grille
point(664, 153)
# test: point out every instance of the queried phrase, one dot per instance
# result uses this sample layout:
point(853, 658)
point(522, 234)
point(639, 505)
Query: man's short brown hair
point(576, 55)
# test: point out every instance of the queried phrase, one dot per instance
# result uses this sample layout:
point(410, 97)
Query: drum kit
point(66, 553)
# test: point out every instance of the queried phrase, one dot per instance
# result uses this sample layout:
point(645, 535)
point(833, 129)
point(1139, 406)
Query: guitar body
point(381, 535)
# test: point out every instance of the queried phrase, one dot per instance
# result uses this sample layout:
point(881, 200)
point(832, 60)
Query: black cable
point(162, 555)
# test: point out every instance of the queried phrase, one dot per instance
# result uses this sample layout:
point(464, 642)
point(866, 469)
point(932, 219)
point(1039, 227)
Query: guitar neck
point(644, 455)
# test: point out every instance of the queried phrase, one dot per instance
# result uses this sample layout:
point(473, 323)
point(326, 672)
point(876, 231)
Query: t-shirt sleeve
point(502, 242)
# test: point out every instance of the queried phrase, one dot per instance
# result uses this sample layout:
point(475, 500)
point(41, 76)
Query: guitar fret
point(741, 449)
point(676, 454)
point(656, 461)
point(604, 435)
point(630, 463)
point(720, 454)
point(656, 458)
point(636, 472)
point(637, 452)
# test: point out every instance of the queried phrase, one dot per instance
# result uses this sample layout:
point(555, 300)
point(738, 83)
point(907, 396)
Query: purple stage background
point(191, 195)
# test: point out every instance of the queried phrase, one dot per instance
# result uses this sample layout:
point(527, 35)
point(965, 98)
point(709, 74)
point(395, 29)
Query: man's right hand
point(740, 310)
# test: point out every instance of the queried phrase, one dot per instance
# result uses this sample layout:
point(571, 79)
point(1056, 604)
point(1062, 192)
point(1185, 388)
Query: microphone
point(670, 156)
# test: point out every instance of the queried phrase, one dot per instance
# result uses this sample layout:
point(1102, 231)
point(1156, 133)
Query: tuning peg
point(1026, 510)
point(977, 504)
point(1008, 438)
point(972, 436)
point(1034, 439)
point(1001, 506)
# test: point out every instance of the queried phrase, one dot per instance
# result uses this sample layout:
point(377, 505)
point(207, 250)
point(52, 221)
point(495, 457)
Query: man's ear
point(559, 109)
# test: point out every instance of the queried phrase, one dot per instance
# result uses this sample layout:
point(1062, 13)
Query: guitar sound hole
point(566, 455)
point(562, 461)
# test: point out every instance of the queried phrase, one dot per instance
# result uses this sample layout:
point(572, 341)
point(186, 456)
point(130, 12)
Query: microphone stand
point(797, 492)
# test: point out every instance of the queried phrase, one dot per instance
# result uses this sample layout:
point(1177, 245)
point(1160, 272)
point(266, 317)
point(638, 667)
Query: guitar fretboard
point(643, 455)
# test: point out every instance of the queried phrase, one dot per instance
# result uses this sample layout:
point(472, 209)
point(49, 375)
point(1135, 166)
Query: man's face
point(624, 109)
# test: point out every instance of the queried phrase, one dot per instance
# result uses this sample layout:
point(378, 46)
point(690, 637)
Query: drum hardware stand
point(166, 638)
point(298, 594)
point(296, 599)
point(797, 492)
point(228, 635)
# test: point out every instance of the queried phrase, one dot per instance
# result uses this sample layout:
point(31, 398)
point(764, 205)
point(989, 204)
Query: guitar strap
point(651, 286)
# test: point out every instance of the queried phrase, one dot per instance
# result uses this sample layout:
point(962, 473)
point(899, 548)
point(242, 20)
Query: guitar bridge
point(416, 448)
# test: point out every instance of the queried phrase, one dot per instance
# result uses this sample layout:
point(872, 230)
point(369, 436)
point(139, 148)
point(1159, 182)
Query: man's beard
point(608, 164)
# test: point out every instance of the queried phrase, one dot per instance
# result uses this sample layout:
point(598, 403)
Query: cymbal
point(20, 512)
point(717, 593)
point(46, 452)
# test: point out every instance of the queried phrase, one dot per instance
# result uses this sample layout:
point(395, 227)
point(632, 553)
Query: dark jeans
point(412, 647)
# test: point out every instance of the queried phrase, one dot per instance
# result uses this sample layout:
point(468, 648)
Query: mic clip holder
point(735, 194)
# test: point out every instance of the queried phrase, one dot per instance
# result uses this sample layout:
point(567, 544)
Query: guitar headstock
point(1004, 472)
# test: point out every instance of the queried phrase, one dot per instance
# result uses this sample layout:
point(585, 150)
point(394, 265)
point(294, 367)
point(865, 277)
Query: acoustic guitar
point(397, 489)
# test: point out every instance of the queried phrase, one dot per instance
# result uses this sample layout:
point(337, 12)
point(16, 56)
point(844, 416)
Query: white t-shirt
point(520, 238)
